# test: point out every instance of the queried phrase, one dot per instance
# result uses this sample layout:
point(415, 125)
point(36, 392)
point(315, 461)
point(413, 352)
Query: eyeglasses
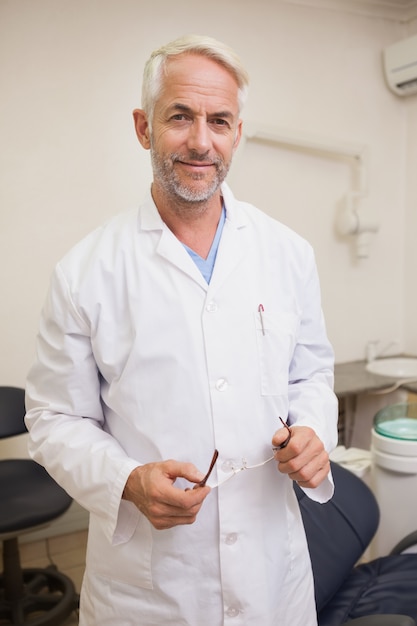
point(287, 441)
point(243, 465)
point(210, 469)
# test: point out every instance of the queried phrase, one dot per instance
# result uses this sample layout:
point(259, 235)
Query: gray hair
point(192, 44)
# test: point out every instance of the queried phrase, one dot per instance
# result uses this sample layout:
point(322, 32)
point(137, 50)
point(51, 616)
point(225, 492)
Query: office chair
point(382, 592)
point(29, 499)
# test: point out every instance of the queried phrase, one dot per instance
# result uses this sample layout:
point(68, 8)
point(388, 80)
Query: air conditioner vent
point(408, 84)
point(400, 65)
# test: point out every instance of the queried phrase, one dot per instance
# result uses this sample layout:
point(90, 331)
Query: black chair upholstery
point(29, 499)
point(382, 592)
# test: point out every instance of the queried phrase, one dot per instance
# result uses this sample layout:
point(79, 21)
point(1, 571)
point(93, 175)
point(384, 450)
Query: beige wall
point(70, 76)
point(410, 305)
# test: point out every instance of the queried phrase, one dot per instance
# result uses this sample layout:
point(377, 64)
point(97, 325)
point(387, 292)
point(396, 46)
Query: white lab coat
point(139, 360)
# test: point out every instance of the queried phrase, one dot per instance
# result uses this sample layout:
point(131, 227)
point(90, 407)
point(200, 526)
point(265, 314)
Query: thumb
point(282, 437)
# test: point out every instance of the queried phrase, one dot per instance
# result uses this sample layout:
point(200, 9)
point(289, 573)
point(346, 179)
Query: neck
point(193, 223)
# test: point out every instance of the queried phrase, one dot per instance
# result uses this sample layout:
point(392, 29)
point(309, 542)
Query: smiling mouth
point(196, 171)
point(196, 164)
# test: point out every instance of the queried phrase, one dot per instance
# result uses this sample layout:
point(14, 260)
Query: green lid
point(404, 428)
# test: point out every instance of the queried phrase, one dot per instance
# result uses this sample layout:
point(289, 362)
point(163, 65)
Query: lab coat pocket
point(129, 562)
point(276, 335)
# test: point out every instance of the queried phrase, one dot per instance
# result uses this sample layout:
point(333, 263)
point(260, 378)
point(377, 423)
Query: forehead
point(193, 78)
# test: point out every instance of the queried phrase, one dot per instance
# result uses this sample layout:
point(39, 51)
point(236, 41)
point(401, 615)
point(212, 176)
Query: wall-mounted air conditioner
point(400, 64)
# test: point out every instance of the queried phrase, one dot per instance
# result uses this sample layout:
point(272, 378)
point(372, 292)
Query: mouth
point(195, 169)
point(193, 159)
point(195, 164)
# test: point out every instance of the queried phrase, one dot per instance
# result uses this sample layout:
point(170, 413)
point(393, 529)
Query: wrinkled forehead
point(192, 77)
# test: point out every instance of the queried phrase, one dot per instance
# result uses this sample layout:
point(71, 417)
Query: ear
point(142, 128)
point(238, 135)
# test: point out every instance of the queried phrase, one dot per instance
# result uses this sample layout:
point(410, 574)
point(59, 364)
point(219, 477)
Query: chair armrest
point(381, 620)
point(408, 541)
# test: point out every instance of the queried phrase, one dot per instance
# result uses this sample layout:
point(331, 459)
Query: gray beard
point(166, 177)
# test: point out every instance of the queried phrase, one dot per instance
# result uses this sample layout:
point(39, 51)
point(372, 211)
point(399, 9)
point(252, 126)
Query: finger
point(313, 473)
point(179, 501)
point(175, 469)
point(296, 458)
point(166, 513)
point(166, 522)
point(315, 480)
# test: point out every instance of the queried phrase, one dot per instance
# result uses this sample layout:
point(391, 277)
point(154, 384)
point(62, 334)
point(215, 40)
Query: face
point(195, 130)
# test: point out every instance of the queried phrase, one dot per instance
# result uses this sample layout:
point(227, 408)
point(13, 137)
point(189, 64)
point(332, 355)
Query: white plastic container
point(394, 474)
point(355, 460)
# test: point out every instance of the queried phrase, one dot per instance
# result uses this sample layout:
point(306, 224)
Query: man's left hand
point(304, 458)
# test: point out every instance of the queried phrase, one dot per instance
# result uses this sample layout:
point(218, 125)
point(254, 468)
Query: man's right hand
point(151, 488)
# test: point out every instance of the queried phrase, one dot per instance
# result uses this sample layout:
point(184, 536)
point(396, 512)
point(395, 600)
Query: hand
point(151, 488)
point(304, 459)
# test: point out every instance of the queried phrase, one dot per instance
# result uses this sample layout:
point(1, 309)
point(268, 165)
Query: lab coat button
point(221, 384)
point(232, 611)
point(227, 466)
point(231, 538)
point(211, 307)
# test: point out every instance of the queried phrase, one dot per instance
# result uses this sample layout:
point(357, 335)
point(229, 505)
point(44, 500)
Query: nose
point(199, 136)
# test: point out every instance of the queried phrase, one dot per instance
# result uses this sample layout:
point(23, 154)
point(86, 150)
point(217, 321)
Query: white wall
point(70, 75)
point(410, 309)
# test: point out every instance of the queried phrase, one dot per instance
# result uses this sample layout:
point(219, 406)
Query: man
point(190, 325)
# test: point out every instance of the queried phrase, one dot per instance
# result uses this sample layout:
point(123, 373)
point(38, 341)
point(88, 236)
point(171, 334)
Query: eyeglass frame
point(244, 465)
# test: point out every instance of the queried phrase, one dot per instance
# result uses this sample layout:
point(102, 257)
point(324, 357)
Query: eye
point(179, 117)
point(220, 125)
point(218, 121)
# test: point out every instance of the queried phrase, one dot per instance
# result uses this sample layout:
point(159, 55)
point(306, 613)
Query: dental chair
point(382, 592)
point(29, 499)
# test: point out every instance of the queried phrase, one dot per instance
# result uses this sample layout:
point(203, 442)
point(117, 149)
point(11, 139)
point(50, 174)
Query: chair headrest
point(12, 411)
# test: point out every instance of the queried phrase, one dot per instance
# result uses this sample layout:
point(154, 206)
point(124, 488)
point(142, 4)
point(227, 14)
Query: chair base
point(48, 598)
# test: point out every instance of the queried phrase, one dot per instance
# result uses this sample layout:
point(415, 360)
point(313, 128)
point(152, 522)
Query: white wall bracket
point(350, 221)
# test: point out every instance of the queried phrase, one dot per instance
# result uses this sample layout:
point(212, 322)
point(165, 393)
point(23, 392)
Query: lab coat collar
point(230, 250)
point(231, 247)
point(167, 245)
point(149, 218)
